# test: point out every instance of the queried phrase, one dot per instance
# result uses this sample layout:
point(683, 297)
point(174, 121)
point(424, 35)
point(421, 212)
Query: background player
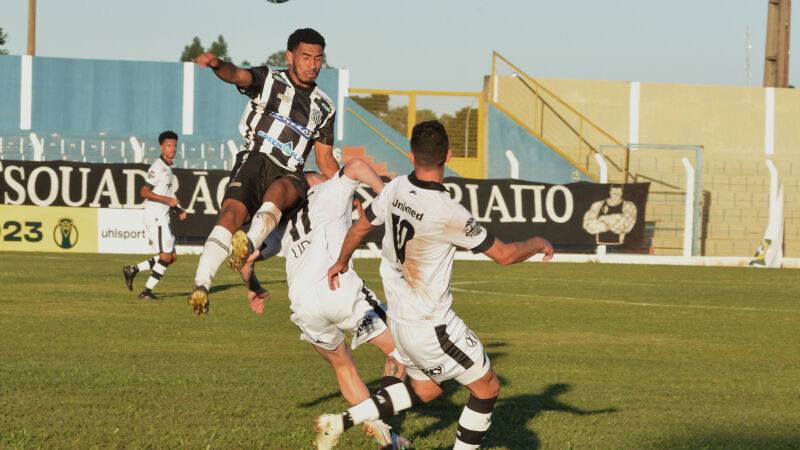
point(286, 114)
point(159, 199)
point(423, 228)
point(311, 241)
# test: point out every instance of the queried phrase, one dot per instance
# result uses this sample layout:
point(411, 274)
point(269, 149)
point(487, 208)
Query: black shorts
point(251, 176)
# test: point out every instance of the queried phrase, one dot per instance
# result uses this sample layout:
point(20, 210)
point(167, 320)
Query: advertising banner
point(575, 214)
point(54, 229)
point(122, 231)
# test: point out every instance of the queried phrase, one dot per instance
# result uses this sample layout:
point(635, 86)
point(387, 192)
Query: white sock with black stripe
point(385, 403)
point(147, 264)
point(475, 420)
point(155, 276)
point(215, 251)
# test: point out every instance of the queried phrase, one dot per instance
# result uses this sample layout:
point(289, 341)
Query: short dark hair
point(430, 143)
point(167, 135)
point(306, 35)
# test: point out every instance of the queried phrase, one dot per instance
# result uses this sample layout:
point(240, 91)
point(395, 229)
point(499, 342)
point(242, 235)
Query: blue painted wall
point(537, 161)
point(88, 97)
point(10, 69)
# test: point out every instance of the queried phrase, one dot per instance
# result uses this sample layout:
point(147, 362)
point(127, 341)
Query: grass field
point(589, 356)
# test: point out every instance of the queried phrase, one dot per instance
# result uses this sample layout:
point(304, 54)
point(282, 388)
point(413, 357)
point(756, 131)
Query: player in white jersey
point(423, 228)
point(310, 241)
point(286, 116)
point(159, 199)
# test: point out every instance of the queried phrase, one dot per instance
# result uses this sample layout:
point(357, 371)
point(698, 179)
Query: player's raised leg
point(281, 195)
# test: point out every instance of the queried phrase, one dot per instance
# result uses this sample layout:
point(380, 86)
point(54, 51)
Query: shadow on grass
point(509, 420)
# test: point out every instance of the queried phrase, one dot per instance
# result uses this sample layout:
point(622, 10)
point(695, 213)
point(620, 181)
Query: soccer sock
point(156, 274)
point(264, 221)
point(214, 252)
point(388, 401)
point(146, 264)
point(474, 422)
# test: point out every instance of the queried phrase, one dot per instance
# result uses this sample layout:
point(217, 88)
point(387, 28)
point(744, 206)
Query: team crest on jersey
point(472, 228)
point(284, 98)
point(316, 116)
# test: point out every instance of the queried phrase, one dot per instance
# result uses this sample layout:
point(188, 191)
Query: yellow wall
point(729, 122)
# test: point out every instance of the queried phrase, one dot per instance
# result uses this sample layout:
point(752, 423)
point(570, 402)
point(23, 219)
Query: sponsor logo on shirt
point(323, 105)
point(407, 209)
point(285, 148)
point(277, 76)
point(433, 371)
point(303, 131)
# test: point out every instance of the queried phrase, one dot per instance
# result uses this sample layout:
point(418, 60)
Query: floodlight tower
point(776, 64)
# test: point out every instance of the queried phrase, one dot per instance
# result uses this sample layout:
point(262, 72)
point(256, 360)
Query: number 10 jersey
point(423, 227)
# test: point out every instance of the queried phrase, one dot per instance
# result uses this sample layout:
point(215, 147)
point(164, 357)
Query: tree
point(3, 37)
point(192, 50)
point(220, 48)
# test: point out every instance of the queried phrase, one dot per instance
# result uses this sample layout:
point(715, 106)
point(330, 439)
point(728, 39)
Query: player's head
point(304, 51)
point(313, 178)
point(429, 144)
point(168, 141)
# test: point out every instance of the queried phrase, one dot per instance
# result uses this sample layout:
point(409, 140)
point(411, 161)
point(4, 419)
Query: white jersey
point(159, 180)
point(423, 228)
point(313, 250)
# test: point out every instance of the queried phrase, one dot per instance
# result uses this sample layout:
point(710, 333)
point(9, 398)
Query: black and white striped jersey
point(283, 119)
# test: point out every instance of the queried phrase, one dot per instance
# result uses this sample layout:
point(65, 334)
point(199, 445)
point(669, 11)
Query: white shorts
point(443, 352)
point(161, 238)
point(324, 315)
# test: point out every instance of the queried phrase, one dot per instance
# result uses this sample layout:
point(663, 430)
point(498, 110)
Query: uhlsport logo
point(65, 233)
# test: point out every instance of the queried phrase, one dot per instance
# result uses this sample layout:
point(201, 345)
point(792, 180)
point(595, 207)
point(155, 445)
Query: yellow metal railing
point(462, 113)
point(552, 120)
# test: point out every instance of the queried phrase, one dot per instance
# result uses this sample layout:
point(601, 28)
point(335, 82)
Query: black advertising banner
point(62, 183)
point(575, 214)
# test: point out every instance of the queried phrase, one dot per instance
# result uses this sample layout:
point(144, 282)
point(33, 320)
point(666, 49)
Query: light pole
point(32, 27)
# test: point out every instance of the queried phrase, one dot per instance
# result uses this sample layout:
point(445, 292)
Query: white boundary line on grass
point(621, 302)
point(612, 258)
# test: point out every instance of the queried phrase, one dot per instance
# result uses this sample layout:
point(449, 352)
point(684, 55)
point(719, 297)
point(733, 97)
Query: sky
point(441, 45)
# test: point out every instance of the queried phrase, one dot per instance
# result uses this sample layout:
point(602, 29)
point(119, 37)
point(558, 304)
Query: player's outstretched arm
point(514, 252)
point(358, 169)
point(225, 71)
point(323, 153)
point(354, 236)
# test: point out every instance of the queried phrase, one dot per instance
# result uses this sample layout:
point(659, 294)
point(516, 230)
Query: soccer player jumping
point(286, 115)
point(423, 228)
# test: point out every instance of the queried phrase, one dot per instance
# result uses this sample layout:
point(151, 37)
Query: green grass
point(589, 356)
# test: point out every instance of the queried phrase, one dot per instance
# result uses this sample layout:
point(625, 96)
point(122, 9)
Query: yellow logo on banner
point(65, 233)
point(27, 228)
